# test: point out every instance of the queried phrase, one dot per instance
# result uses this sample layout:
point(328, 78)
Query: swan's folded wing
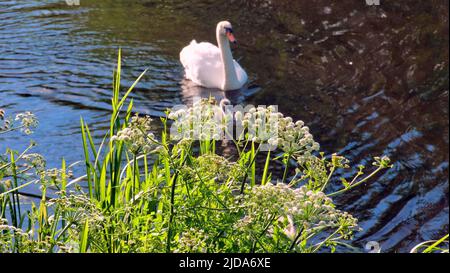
point(240, 73)
point(202, 64)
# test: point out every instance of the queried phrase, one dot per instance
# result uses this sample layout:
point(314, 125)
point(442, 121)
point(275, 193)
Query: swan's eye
point(227, 29)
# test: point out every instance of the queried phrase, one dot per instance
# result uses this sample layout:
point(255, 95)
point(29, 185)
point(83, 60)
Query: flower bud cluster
point(203, 121)
point(137, 135)
point(298, 208)
point(28, 122)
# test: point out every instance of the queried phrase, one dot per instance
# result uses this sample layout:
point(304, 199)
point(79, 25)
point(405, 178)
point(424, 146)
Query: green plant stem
point(266, 169)
point(328, 178)
point(17, 188)
point(11, 129)
point(263, 232)
point(296, 239)
point(286, 166)
point(433, 246)
point(357, 183)
point(319, 245)
point(172, 206)
point(246, 170)
point(18, 158)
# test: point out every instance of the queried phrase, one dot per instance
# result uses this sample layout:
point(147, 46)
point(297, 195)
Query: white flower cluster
point(261, 124)
point(137, 135)
point(266, 125)
point(56, 174)
point(28, 121)
point(36, 161)
point(213, 167)
point(9, 233)
point(203, 121)
point(298, 208)
point(384, 161)
point(192, 240)
point(295, 138)
point(80, 208)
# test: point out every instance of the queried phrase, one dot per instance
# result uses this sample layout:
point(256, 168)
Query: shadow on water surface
point(368, 80)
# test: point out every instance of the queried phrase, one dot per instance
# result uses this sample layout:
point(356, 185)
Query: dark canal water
point(367, 80)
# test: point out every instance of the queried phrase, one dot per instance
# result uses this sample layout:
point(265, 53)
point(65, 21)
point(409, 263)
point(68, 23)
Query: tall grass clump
point(147, 193)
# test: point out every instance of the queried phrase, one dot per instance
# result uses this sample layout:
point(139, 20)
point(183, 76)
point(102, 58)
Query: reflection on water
point(368, 81)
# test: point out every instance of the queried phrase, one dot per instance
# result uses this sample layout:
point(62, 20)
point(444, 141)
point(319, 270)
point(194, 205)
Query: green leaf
point(84, 237)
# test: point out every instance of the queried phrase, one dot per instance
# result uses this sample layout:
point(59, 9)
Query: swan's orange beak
point(231, 37)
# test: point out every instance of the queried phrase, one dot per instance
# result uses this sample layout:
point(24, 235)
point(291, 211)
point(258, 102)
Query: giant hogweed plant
point(143, 193)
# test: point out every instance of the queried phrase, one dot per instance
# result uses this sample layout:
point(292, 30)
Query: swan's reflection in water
point(191, 92)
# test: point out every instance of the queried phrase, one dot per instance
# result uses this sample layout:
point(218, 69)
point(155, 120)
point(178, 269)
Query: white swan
point(213, 67)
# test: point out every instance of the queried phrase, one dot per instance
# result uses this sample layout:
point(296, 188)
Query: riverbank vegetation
point(146, 193)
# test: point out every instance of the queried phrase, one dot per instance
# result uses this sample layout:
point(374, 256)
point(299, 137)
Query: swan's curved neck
point(230, 79)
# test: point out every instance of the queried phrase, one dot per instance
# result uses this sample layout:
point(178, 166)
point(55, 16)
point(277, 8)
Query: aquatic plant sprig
point(36, 161)
point(6, 163)
point(381, 163)
point(317, 172)
point(28, 121)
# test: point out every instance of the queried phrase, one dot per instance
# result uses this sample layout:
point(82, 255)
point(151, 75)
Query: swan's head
point(224, 28)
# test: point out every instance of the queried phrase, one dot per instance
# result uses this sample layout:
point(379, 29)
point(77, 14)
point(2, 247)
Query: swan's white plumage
point(203, 65)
